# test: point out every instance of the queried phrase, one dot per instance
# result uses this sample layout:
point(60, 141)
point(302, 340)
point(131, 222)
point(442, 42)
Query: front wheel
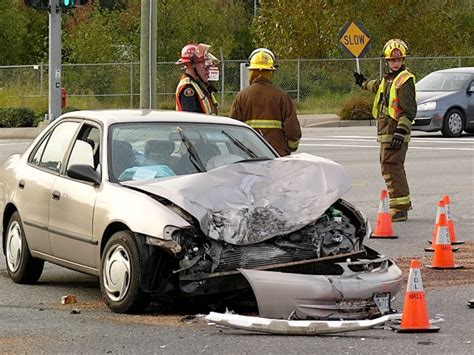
point(453, 123)
point(21, 266)
point(120, 275)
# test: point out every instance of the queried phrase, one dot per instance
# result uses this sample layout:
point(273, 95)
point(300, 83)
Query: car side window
point(57, 146)
point(35, 160)
point(86, 147)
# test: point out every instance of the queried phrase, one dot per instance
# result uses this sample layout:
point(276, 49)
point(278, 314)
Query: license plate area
point(382, 301)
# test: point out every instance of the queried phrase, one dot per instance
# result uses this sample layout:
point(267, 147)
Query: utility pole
point(148, 54)
point(54, 74)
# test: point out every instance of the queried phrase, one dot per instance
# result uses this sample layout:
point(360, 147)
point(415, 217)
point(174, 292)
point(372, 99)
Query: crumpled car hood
point(249, 202)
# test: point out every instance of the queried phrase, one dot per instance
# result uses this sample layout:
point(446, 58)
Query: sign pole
point(357, 65)
point(54, 74)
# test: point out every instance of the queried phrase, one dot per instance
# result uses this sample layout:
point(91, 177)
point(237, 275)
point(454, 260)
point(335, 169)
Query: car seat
point(122, 157)
point(158, 152)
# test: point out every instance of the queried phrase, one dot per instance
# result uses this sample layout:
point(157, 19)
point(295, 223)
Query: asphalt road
point(33, 320)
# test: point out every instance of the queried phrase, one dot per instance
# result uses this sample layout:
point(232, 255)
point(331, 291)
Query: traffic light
point(37, 4)
point(71, 4)
point(67, 4)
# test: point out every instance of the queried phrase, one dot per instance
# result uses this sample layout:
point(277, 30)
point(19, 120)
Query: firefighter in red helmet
point(394, 109)
point(194, 92)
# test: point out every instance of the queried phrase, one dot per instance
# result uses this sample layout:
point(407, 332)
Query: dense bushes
point(18, 117)
point(357, 107)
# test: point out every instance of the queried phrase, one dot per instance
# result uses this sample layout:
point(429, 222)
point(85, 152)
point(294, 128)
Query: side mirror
point(470, 90)
point(84, 173)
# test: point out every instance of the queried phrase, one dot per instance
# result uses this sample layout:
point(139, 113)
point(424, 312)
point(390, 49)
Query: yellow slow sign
point(354, 38)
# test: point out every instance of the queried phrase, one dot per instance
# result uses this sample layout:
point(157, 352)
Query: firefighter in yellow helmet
point(266, 108)
point(194, 92)
point(394, 109)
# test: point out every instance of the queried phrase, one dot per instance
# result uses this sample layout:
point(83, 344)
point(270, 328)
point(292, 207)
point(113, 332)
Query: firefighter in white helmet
point(394, 109)
point(266, 108)
point(194, 92)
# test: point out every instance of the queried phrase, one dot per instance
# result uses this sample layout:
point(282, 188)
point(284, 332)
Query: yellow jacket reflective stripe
point(264, 123)
point(293, 145)
point(393, 109)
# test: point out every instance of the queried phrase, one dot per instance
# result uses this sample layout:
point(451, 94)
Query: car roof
point(108, 117)
point(457, 70)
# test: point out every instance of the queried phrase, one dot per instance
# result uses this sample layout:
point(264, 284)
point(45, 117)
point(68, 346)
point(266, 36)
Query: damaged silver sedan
point(164, 205)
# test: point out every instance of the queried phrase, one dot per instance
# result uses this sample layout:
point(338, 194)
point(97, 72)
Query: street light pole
point(54, 74)
point(148, 54)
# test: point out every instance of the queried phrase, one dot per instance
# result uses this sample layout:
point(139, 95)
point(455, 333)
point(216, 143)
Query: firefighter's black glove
point(398, 138)
point(359, 78)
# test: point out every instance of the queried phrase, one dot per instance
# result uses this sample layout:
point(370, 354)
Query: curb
point(339, 123)
point(20, 133)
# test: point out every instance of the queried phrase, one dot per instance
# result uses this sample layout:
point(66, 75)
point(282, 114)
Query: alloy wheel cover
point(116, 273)
point(455, 123)
point(14, 246)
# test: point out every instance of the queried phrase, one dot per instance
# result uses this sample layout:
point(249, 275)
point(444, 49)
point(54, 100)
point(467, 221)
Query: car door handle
point(56, 195)
point(21, 184)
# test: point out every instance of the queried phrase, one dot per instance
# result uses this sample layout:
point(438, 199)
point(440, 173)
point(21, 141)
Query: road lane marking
point(377, 146)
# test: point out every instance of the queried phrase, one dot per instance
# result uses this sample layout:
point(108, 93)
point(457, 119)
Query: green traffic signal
point(68, 4)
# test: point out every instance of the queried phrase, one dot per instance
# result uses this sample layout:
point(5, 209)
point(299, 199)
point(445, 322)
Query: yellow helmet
point(395, 48)
point(262, 59)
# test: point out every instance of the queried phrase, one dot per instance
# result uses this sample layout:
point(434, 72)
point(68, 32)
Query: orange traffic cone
point(415, 310)
point(449, 219)
point(443, 254)
point(440, 210)
point(383, 227)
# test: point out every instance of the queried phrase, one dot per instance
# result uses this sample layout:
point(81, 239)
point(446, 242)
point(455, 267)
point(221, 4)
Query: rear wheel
point(21, 266)
point(120, 275)
point(453, 123)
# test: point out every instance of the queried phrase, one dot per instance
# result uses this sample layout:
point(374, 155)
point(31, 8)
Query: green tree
point(310, 28)
point(23, 34)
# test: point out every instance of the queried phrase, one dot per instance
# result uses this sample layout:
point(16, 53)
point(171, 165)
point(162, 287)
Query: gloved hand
point(359, 78)
point(398, 138)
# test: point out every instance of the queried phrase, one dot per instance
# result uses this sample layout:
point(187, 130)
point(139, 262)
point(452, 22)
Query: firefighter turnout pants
point(392, 163)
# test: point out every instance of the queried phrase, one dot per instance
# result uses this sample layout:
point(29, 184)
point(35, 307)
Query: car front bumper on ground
point(428, 121)
point(350, 295)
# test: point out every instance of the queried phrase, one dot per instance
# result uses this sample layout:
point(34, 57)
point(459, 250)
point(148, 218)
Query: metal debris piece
point(295, 327)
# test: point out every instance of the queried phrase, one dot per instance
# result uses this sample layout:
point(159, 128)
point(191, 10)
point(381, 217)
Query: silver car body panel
point(257, 200)
point(281, 295)
point(295, 327)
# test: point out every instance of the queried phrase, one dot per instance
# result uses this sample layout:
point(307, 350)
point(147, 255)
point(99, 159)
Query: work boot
point(399, 216)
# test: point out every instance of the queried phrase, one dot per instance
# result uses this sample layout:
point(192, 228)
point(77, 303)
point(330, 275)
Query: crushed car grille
point(252, 256)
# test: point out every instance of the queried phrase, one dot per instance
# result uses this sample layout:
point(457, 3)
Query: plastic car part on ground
point(295, 327)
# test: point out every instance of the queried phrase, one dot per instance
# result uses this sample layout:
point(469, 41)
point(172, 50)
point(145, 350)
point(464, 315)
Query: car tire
point(453, 123)
point(120, 275)
point(21, 266)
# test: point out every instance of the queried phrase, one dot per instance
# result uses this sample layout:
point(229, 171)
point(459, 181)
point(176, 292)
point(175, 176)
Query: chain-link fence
point(117, 85)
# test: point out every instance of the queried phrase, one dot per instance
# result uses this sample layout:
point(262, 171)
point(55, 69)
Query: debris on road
point(69, 299)
point(294, 327)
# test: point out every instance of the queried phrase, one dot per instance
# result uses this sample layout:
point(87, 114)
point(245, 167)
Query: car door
point(72, 206)
point(36, 181)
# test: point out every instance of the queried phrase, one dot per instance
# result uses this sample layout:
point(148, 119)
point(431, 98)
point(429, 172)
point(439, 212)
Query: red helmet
point(193, 53)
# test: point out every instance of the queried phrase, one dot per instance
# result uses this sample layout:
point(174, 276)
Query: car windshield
point(142, 151)
point(442, 82)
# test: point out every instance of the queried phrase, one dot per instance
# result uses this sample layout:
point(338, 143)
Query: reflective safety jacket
point(270, 111)
point(394, 104)
point(191, 97)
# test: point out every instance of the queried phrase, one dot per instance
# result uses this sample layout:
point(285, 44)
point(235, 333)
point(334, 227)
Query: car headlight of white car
point(427, 106)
